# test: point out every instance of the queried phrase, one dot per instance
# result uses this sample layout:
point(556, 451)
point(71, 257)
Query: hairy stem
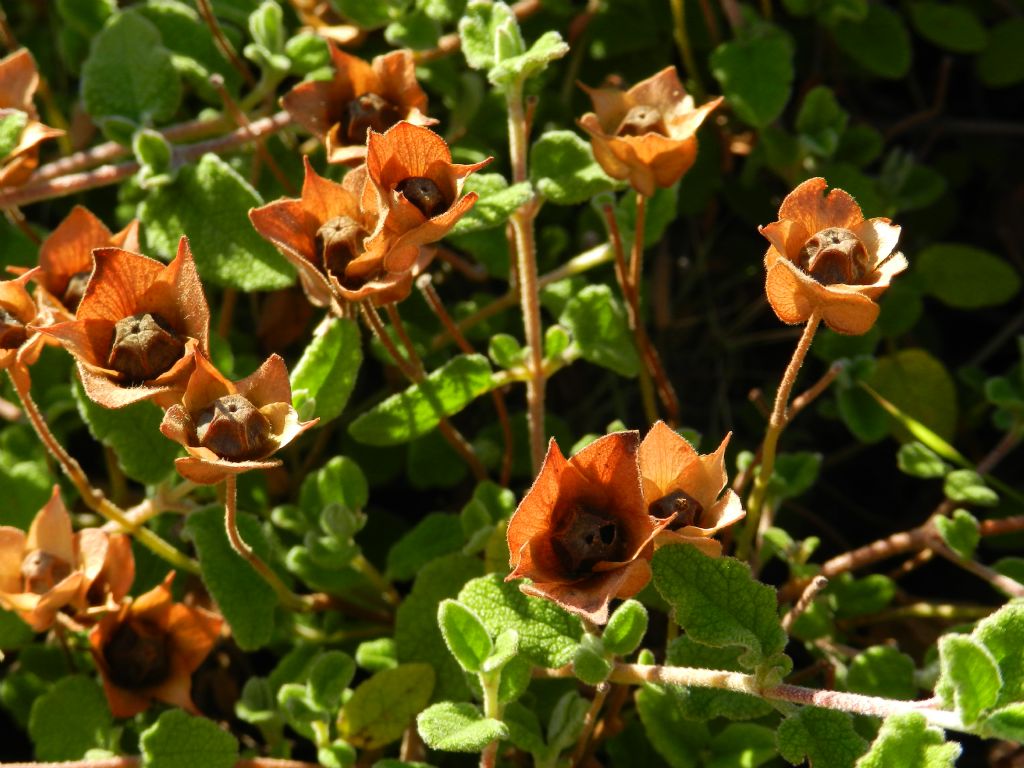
point(492, 708)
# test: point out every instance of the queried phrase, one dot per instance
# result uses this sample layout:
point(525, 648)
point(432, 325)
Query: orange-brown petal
point(816, 210)
point(51, 530)
point(18, 81)
point(795, 296)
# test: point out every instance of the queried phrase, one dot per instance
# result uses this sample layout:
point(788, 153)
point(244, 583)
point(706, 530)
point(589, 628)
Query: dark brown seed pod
point(642, 119)
point(137, 655)
point(144, 346)
point(424, 194)
point(76, 289)
point(12, 331)
point(42, 571)
point(233, 428)
point(366, 112)
point(589, 536)
point(834, 255)
point(338, 242)
point(680, 506)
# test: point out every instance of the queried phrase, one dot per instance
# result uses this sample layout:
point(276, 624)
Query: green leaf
point(547, 48)
point(497, 202)
point(86, 17)
point(794, 474)
point(589, 663)
point(505, 350)
point(478, 29)
point(14, 633)
point(11, 127)
point(1005, 723)
point(677, 740)
point(862, 415)
point(953, 27)
point(461, 727)
point(417, 636)
point(1000, 64)
point(329, 676)
point(210, 203)
point(626, 628)
point(129, 74)
point(597, 320)
point(338, 482)
point(882, 671)
point(464, 634)
point(852, 597)
point(435, 535)
point(742, 744)
point(966, 277)
point(960, 532)
point(548, 635)
point(133, 434)
point(969, 678)
point(1000, 633)
point(70, 718)
point(880, 42)
point(918, 460)
point(696, 703)
point(524, 730)
point(908, 740)
point(506, 646)
point(756, 74)
point(719, 603)
point(563, 169)
point(417, 410)
point(327, 370)
point(382, 707)
point(965, 486)
point(245, 599)
point(377, 655)
point(821, 121)
point(918, 385)
point(826, 737)
point(178, 740)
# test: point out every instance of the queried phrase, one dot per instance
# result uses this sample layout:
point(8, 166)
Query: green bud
point(626, 628)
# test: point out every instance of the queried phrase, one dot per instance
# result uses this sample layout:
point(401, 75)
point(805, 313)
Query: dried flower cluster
point(22, 132)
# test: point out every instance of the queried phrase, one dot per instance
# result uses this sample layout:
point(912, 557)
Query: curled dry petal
point(20, 344)
point(149, 649)
point(646, 135)
point(18, 82)
point(230, 427)
point(826, 259)
point(128, 285)
point(582, 533)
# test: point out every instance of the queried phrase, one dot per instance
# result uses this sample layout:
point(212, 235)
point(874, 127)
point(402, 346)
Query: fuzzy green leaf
point(677, 740)
point(626, 628)
point(756, 74)
point(506, 646)
point(969, 677)
point(965, 486)
point(966, 277)
point(478, 30)
point(880, 42)
point(548, 636)
point(329, 676)
point(377, 655)
point(381, 708)
point(1000, 633)
point(464, 634)
point(435, 535)
point(245, 599)
point(178, 740)
point(882, 671)
point(821, 121)
point(455, 727)
point(339, 482)
point(563, 169)
point(69, 719)
point(742, 744)
point(960, 532)
point(417, 410)
point(719, 603)
point(908, 740)
point(547, 48)
point(210, 203)
point(1005, 723)
point(497, 202)
point(11, 126)
point(129, 74)
point(597, 320)
point(133, 434)
point(417, 636)
point(589, 664)
point(851, 596)
point(824, 736)
point(918, 460)
point(327, 370)
point(696, 703)
point(919, 386)
point(953, 27)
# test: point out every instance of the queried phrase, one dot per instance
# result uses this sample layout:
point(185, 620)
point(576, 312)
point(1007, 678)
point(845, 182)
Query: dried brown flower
point(647, 134)
point(826, 259)
point(20, 345)
point(18, 82)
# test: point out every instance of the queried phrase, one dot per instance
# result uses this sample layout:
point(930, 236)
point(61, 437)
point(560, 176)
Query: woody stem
point(776, 424)
point(288, 598)
point(526, 271)
point(92, 497)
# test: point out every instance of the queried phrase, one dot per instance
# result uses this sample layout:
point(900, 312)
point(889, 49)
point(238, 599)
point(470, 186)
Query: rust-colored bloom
point(323, 233)
point(18, 82)
point(20, 344)
point(149, 649)
point(65, 257)
point(232, 427)
point(52, 569)
point(361, 96)
point(647, 134)
point(826, 259)
point(138, 328)
point(419, 190)
point(582, 532)
point(685, 488)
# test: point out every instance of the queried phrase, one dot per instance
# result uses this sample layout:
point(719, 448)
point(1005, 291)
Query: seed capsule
point(590, 537)
point(144, 347)
point(233, 428)
point(834, 255)
point(76, 289)
point(339, 241)
point(369, 111)
point(12, 331)
point(642, 119)
point(42, 571)
point(424, 194)
point(138, 656)
point(680, 506)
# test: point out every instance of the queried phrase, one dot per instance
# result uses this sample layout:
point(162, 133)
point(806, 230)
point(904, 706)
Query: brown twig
point(811, 591)
point(225, 46)
point(583, 744)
